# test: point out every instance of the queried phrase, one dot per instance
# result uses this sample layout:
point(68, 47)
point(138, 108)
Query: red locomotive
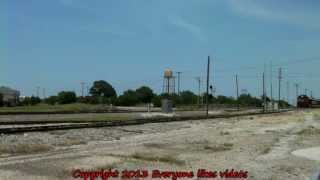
point(304, 101)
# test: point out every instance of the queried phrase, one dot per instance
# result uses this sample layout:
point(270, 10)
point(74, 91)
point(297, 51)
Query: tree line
point(102, 92)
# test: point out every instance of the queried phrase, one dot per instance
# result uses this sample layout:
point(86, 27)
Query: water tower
point(168, 82)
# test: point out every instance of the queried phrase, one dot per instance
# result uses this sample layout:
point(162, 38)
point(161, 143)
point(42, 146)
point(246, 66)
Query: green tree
point(129, 98)
point(34, 100)
point(188, 97)
point(1, 100)
point(102, 89)
point(225, 100)
point(30, 101)
point(156, 101)
point(52, 100)
point(145, 94)
point(248, 100)
point(67, 97)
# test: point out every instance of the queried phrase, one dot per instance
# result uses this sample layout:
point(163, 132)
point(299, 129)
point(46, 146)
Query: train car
point(315, 103)
point(304, 101)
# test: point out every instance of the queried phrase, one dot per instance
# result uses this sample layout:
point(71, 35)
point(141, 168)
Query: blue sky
point(56, 44)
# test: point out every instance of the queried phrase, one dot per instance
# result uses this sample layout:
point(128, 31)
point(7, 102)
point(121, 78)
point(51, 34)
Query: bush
point(67, 97)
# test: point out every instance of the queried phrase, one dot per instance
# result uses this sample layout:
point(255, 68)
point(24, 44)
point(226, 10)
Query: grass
point(311, 130)
point(152, 158)
point(166, 159)
point(71, 142)
point(24, 148)
point(108, 117)
point(219, 148)
point(45, 108)
point(224, 133)
point(266, 150)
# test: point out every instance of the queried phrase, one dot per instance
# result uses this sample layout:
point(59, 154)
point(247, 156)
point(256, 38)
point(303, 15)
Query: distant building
point(10, 96)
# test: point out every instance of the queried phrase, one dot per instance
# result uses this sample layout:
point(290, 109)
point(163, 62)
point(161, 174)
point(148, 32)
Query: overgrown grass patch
point(311, 130)
point(71, 142)
point(151, 158)
point(24, 148)
point(219, 147)
point(45, 108)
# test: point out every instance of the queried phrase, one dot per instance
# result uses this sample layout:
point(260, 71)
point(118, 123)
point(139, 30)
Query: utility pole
point(263, 92)
point(237, 89)
point(280, 77)
point(271, 87)
point(44, 93)
point(88, 91)
point(199, 90)
point(265, 88)
point(179, 73)
point(82, 88)
point(208, 77)
point(174, 85)
point(288, 91)
point(311, 95)
point(38, 91)
point(297, 91)
point(306, 91)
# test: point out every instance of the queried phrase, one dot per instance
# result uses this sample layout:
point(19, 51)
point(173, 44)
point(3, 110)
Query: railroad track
point(96, 124)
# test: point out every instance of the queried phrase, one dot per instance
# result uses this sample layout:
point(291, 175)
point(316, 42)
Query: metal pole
point(263, 92)
point(44, 93)
point(271, 87)
point(174, 85)
point(88, 91)
point(38, 91)
point(207, 95)
point(179, 73)
point(237, 88)
point(279, 97)
point(288, 91)
point(82, 88)
point(199, 90)
point(297, 92)
point(168, 85)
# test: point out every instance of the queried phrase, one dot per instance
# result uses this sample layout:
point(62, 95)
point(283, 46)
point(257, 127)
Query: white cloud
point(289, 14)
point(183, 24)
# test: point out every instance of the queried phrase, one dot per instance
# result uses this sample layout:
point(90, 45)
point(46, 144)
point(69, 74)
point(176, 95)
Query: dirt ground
point(282, 146)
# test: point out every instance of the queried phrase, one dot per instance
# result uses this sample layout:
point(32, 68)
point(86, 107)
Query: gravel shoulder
point(266, 146)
